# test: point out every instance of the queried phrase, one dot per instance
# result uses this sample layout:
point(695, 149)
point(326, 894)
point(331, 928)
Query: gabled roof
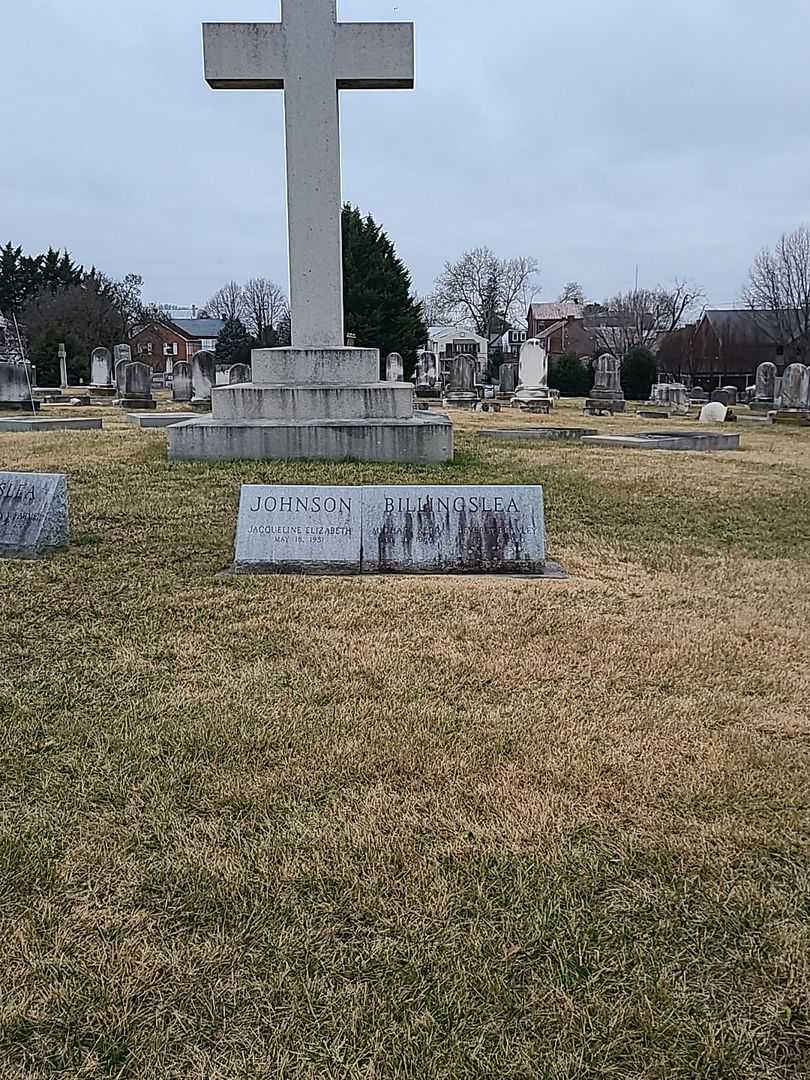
point(745, 326)
point(556, 311)
point(199, 328)
point(435, 333)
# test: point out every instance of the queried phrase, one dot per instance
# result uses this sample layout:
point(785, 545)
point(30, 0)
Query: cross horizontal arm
point(244, 56)
point(374, 56)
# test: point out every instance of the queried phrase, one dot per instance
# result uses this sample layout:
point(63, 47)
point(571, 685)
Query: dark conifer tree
point(233, 345)
point(379, 306)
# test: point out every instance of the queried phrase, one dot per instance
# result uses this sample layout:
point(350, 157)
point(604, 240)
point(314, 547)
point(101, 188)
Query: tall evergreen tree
point(639, 372)
point(379, 306)
point(233, 344)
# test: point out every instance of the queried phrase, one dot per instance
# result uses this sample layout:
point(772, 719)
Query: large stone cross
point(310, 55)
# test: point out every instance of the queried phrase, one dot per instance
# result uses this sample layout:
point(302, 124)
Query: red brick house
point(543, 316)
point(163, 344)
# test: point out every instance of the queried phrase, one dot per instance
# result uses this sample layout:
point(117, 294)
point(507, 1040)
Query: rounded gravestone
point(394, 367)
point(239, 373)
point(203, 376)
point(101, 367)
point(137, 380)
point(533, 367)
point(766, 382)
point(794, 387)
point(462, 374)
point(713, 412)
point(181, 381)
point(607, 376)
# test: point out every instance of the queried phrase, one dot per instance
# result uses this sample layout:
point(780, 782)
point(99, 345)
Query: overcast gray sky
point(592, 134)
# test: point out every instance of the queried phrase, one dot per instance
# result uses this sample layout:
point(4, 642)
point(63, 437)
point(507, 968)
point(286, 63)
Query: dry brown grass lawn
point(411, 828)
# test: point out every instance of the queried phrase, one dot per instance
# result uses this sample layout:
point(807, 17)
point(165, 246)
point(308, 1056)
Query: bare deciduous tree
point(265, 309)
point(639, 319)
point(227, 302)
point(779, 289)
point(485, 292)
point(572, 293)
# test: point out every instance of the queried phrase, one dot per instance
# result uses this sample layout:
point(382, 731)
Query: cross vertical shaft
point(312, 128)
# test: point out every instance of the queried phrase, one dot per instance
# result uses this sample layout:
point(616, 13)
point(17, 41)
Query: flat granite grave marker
point(450, 530)
point(33, 514)
point(298, 529)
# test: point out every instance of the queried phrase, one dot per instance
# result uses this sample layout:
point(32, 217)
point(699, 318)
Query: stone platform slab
point(50, 423)
point(158, 419)
point(665, 440)
point(531, 433)
point(315, 367)
point(251, 401)
point(425, 438)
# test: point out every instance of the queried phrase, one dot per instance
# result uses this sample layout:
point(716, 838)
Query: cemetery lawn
point(411, 828)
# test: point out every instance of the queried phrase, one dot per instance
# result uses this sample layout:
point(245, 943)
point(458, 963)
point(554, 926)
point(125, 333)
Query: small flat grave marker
point(296, 529)
point(451, 530)
point(33, 514)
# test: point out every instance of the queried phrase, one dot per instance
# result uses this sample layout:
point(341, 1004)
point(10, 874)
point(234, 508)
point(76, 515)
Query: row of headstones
point(791, 392)
point(132, 379)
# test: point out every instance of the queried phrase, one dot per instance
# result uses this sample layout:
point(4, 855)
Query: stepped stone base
point(314, 403)
point(424, 438)
point(249, 401)
point(136, 403)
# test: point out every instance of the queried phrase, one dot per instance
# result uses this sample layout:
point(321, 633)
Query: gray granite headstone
point(508, 376)
point(101, 367)
point(301, 530)
point(181, 381)
point(766, 382)
point(469, 529)
point(137, 380)
point(462, 373)
point(203, 376)
point(33, 514)
point(794, 392)
point(15, 383)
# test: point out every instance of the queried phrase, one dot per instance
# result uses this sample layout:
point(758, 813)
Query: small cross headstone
point(63, 373)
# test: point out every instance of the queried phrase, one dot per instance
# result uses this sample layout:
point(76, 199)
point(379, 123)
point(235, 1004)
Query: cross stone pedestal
point(314, 403)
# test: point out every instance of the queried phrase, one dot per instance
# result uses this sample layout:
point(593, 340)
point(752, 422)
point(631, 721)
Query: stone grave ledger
point(298, 530)
point(452, 530)
point(390, 529)
point(33, 514)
